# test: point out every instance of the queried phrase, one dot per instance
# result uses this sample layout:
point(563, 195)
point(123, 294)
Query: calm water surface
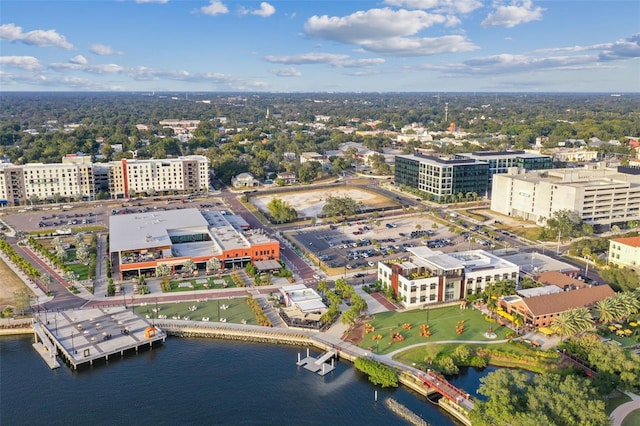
point(198, 381)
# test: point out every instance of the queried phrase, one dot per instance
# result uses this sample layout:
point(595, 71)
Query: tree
point(572, 322)
point(189, 266)
point(213, 265)
point(82, 252)
point(163, 270)
point(22, 300)
point(45, 280)
point(281, 211)
point(337, 206)
point(517, 398)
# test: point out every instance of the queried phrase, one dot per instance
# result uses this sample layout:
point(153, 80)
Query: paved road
point(622, 411)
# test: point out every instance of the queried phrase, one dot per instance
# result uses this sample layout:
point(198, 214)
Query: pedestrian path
point(622, 411)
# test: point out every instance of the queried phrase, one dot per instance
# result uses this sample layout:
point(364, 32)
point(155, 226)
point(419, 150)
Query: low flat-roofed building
point(542, 310)
point(625, 252)
point(140, 242)
point(303, 306)
point(539, 291)
point(432, 276)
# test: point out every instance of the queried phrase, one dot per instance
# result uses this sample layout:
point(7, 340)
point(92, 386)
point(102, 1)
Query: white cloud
point(402, 46)
point(388, 31)
point(265, 10)
point(620, 49)
point(153, 1)
point(374, 24)
point(103, 50)
point(40, 38)
point(451, 6)
point(24, 62)
point(221, 81)
point(359, 63)
point(286, 72)
point(515, 14)
point(79, 59)
point(307, 58)
point(216, 7)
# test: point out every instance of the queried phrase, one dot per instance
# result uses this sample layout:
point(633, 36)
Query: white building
point(432, 276)
point(182, 175)
point(600, 195)
point(38, 182)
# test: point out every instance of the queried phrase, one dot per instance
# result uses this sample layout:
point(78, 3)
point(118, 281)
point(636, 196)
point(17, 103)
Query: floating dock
point(318, 365)
point(86, 335)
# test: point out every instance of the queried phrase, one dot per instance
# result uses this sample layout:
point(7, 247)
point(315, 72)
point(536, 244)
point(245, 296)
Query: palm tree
point(629, 304)
point(564, 325)
point(607, 310)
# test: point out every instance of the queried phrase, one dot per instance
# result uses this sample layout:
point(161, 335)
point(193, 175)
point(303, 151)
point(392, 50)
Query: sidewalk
point(618, 415)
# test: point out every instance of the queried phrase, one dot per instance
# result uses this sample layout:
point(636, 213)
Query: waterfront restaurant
point(140, 242)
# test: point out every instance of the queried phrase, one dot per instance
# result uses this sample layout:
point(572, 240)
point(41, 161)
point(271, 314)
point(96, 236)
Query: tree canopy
point(281, 211)
point(337, 206)
point(519, 398)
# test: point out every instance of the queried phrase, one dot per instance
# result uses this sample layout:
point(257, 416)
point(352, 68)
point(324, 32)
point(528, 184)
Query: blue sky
point(320, 45)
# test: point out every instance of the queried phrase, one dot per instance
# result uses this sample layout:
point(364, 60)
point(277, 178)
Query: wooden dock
point(319, 365)
point(86, 335)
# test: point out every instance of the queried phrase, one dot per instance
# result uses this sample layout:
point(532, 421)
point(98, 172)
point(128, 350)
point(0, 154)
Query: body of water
point(198, 381)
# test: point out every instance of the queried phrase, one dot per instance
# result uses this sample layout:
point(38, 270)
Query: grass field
point(194, 285)
point(9, 284)
point(615, 401)
point(238, 310)
point(633, 419)
point(80, 269)
point(442, 325)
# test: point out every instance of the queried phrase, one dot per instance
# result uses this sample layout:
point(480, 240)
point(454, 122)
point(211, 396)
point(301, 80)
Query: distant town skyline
point(323, 46)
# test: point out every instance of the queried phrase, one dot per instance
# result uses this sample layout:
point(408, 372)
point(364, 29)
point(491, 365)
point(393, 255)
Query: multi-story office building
point(37, 182)
point(501, 161)
point(432, 276)
point(182, 175)
point(601, 196)
point(442, 178)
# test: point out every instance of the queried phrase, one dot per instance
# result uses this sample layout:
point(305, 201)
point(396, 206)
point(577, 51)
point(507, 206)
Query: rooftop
point(628, 241)
point(561, 302)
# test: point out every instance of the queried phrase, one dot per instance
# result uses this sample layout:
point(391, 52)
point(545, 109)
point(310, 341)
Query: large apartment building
point(37, 183)
point(77, 179)
point(441, 178)
point(430, 276)
point(600, 195)
point(183, 175)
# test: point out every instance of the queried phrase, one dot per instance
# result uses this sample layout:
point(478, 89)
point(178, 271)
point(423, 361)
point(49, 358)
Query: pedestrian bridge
point(444, 388)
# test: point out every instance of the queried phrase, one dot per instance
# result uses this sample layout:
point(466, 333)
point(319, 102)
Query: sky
point(320, 45)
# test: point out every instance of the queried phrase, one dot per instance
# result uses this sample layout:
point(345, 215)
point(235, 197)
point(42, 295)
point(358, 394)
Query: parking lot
point(360, 245)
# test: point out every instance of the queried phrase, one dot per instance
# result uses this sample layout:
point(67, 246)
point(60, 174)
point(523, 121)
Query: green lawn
point(80, 269)
point(615, 401)
point(632, 419)
point(238, 310)
point(194, 285)
point(442, 324)
point(512, 355)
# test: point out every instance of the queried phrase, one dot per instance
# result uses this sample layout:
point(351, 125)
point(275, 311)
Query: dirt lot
point(310, 203)
point(9, 284)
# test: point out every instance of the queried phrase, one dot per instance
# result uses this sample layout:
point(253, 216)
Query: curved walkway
point(472, 342)
point(622, 411)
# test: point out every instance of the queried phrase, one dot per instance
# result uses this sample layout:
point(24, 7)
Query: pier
point(84, 336)
point(318, 365)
